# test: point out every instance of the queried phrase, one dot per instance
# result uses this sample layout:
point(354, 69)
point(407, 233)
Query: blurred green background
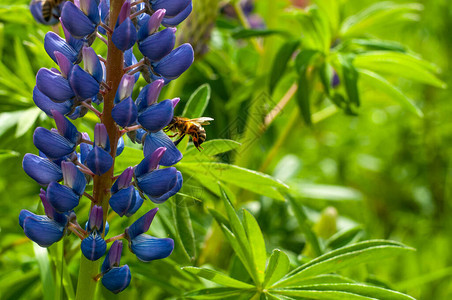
point(384, 168)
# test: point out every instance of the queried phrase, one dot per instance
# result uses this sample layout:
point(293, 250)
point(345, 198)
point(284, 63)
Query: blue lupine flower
point(54, 85)
point(157, 116)
point(158, 45)
point(42, 170)
point(125, 34)
point(172, 7)
point(53, 42)
point(94, 246)
point(91, 63)
point(179, 18)
point(153, 141)
point(99, 161)
point(149, 95)
point(125, 113)
point(104, 9)
point(144, 246)
point(80, 23)
point(125, 200)
point(150, 24)
point(115, 278)
point(83, 83)
point(46, 104)
point(175, 63)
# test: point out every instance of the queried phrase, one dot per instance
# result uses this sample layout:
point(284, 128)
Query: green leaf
point(342, 238)
point(218, 277)
point(372, 44)
point(216, 293)
point(211, 148)
point(257, 244)
point(362, 252)
point(24, 69)
point(198, 102)
point(45, 271)
point(184, 228)
point(6, 154)
point(400, 65)
point(350, 77)
point(331, 9)
point(129, 157)
point(381, 84)
point(326, 192)
point(244, 33)
point(326, 278)
point(277, 268)
point(322, 295)
point(280, 61)
point(366, 291)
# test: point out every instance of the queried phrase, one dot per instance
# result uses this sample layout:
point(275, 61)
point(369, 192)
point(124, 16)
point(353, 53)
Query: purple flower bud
point(91, 63)
point(53, 85)
point(175, 63)
point(159, 44)
point(117, 279)
point(151, 24)
point(101, 137)
point(125, 112)
point(176, 20)
point(150, 162)
point(113, 257)
point(172, 7)
point(90, 9)
point(46, 104)
point(42, 170)
point(82, 83)
point(42, 230)
point(123, 181)
point(52, 144)
point(159, 139)
point(148, 248)
point(99, 161)
point(65, 127)
point(76, 22)
point(120, 146)
point(96, 218)
point(149, 94)
point(125, 88)
point(335, 80)
point(62, 198)
point(156, 116)
point(125, 35)
point(141, 225)
point(122, 201)
point(73, 178)
point(53, 42)
point(93, 247)
point(160, 184)
point(175, 101)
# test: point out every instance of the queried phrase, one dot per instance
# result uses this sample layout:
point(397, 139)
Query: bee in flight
point(46, 11)
point(192, 127)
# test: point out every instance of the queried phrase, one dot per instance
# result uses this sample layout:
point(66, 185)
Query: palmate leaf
point(198, 102)
point(218, 277)
point(256, 243)
point(362, 252)
point(277, 268)
point(220, 293)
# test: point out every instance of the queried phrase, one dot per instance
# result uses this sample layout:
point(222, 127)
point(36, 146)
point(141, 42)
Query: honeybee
point(48, 9)
point(192, 127)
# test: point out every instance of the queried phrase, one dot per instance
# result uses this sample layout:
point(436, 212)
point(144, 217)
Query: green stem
point(86, 286)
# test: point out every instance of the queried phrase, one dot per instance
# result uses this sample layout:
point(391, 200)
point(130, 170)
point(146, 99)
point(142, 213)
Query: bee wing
point(202, 120)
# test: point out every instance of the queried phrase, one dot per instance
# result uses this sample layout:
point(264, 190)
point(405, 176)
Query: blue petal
point(113, 257)
point(53, 42)
point(130, 59)
point(51, 143)
point(73, 177)
point(158, 45)
point(125, 35)
point(149, 95)
point(123, 181)
point(170, 193)
point(117, 279)
point(93, 247)
point(175, 63)
point(142, 224)
point(62, 198)
point(148, 248)
point(160, 139)
point(53, 85)
point(91, 63)
point(174, 21)
point(158, 182)
point(122, 201)
point(138, 202)
point(172, 7)
point(125, 112)
point(26, 213)
point(41, 169)
point(85, 149)
point(99, 161)
point(42, 231)
point(82, 83)
point(101, 137)
point(150, 162)
point(75, 21)
point(157, 116)
point(90, 8)
point(65, 127)
point(46, 104)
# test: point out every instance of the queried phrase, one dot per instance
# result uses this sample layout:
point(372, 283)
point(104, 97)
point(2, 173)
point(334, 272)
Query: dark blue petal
point(158, 182)
point(113, 257)
point(125, 113)
point(41, 169)
point(52, 144)
point(149, 95)
point(159, 44)
point(76, 43)
point(90, 8)
point(104, 9)
point(85, 148)
point(125, 35)
point(120, 146)
point(157, 116)
point(123, 181)
point(75, 21)
point(117, 279)
point(65, 127)
point(26, 213)
point(82, 83)
point(53, 85)
point(148, 248)
point(93, 247)
point(53, 42)
point(174, 21)
point(170, 193)
point(42, 231)
point(175, 63)
point(62, 198)
point(160, 139)
point(99, 161)
point(138, 202)
point(122, 201)
point(46, 104)
point(150, 24)
point(172, 7)
point(141, 225)
point(73, 178)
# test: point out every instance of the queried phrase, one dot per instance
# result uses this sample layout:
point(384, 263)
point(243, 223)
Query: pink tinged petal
point(91, 10)
point(150, 162)
point(101, 136)
point(125, 88)
point(73, 178)
point(113, 257)
point(64, 63)
point(175, 101)
point(124, 13)
point(96, 217)
point(151, 25)
point(149, 94)
point(123, 181)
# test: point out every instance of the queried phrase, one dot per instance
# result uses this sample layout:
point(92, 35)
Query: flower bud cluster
point(69, 160)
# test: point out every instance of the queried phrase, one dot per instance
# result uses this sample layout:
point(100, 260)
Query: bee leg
point(179, 139)
point(173, 135)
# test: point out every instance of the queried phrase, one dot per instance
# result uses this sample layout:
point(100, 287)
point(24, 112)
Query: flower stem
point(86, 286)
